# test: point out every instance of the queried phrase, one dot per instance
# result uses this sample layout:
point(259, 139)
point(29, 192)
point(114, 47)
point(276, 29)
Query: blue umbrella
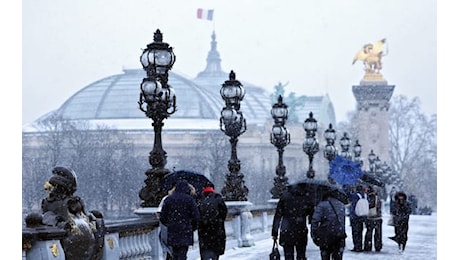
point(345, 171)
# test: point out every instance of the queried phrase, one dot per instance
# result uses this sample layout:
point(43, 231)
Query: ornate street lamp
point(279, 137)
point(371, 157)
point(310, 145)
point(233, 124)
point(357, 152)
point(158, 101)
point(378, 167)
point(330, 151)
point(345, 143)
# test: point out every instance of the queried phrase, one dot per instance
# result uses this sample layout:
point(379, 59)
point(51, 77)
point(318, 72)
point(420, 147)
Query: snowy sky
point(308, 44)
point(54, 48)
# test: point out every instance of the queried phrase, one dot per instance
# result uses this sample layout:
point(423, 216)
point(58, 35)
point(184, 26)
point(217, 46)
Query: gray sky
point(310, 44)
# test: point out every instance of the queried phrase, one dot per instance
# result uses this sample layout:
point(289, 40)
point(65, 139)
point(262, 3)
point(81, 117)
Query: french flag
point(204, 14)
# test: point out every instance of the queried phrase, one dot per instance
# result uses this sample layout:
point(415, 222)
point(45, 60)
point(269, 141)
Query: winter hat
point(64, 177)
point(208, 189)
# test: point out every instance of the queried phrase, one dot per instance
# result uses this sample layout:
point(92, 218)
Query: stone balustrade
point(137, 238)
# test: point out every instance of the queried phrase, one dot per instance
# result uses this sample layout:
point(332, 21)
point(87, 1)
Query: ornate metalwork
point(280, 138)
point(330, 151)
point(345, 143)
point(233, 124)
point(371, 158)
point(310, 144)
point(158, 101)
point(357, 152)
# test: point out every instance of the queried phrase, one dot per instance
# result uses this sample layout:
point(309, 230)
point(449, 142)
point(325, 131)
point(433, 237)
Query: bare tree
point(108, 171)
point(414, 148)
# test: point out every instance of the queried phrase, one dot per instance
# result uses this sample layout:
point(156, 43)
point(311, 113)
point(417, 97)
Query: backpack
point(329, 234)
point(362, 206)
point(209, 209)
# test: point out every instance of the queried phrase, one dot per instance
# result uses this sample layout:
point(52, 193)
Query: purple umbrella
point(345, 171)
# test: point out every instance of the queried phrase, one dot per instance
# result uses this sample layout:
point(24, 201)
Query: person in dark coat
point(180, 215)
point(290, 220)
point(401, 213)
point(373, 222)
point(211, 230)
point(357, 222)
point(325, 214)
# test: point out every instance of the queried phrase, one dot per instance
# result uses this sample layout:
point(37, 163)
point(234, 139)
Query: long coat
point(211, 232)
point(180, 215)
point(291, 217)
point(401, 212)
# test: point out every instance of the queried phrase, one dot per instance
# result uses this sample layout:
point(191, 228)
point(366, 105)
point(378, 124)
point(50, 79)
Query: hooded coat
point(180, 215)
point(401, 213)
point(211, 232)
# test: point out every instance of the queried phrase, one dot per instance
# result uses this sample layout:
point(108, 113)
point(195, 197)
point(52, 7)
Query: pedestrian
point(211, 227)
point(401, 213)
point(357, 222)
point(180, 215)
point(167, 250)
point(329, 212)
point(373, 222)
point(292, 211)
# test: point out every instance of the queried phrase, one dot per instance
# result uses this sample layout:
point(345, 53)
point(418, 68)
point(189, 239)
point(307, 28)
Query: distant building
point(112, 101)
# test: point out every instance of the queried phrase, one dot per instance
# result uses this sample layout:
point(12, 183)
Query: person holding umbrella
point(290, 221)
point(180, 215)
point(373, 222)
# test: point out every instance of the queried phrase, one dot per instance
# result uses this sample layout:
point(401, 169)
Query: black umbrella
point(316, 189)
point(198, 180)
point(372, 179)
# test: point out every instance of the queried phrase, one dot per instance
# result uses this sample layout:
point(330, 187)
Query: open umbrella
point(198, 180)
point(315, 189)
point(372, 179)
point(345, 171)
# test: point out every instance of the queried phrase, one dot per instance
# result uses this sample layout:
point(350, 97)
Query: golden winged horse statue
point(371, 55)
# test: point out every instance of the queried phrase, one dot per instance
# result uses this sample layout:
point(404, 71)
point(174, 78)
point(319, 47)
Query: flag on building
point(204, 14)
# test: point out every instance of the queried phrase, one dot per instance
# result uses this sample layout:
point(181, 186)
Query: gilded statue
point(371, 55)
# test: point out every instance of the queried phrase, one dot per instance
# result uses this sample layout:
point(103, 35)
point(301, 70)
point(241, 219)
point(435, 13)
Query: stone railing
point(137, 238)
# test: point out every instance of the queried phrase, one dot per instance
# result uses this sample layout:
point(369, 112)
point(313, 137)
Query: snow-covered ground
point(421, 244)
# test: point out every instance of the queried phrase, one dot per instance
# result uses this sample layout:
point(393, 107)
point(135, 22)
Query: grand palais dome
point(112, 101)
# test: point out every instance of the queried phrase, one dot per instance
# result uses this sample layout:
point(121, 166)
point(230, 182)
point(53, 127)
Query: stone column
point(373, 97)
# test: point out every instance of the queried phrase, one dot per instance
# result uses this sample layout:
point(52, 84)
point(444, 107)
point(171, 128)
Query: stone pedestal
point(241, 224)
point(373, 102)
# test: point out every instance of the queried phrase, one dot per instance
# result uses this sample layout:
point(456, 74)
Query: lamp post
point(330, 151)
point(357, 152)
point(279, 137)
point(310, 145)
point(158, 101)
point(233, 124)
point(345, 143)
point(371, 157)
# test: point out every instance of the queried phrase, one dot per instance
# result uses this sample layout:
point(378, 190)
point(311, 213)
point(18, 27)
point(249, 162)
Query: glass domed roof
point(114, 100)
